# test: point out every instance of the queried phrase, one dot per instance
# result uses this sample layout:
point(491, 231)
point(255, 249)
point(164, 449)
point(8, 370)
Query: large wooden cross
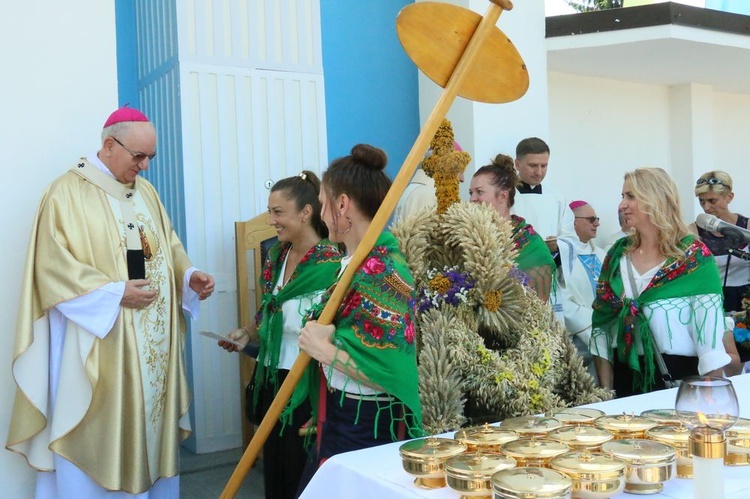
point(468, 56)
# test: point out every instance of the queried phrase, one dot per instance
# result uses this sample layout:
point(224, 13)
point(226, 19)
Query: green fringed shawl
point(533, 255)
point(375, 326)
point(315, 272)
point(532, 250)
point(695, 273)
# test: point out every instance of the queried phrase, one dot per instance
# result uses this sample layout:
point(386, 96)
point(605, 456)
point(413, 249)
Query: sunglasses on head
point(710, 181)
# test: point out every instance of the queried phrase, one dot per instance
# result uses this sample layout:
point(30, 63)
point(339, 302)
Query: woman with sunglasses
point(495, 185)
point(714, 193)
point(658, 310)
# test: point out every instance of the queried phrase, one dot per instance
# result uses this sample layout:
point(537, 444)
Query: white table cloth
point(376, 473)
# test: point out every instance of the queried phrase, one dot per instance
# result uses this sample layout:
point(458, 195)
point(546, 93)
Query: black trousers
point(352, 425)
point(284, 454)
point(679, 366)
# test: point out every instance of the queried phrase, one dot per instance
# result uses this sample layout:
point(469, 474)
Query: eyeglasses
point(592, 220)
point(710, 181)
point(137, 156)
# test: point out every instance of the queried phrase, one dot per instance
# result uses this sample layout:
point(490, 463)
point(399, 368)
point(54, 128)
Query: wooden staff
point(377, 225)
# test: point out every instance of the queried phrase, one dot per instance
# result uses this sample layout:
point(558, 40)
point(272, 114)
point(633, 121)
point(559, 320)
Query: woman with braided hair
point(658, 313)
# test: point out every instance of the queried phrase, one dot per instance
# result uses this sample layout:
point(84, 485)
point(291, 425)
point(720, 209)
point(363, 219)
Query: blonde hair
point(722, 183)
point(658, 198)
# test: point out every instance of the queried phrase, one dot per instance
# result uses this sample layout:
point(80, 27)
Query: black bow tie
point(525, 188)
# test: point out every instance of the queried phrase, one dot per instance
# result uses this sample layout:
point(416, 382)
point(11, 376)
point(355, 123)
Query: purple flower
point(448, 286)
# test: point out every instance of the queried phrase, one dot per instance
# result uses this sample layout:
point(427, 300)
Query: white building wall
point(59, 83)
point(253, 112)
point(602, 128)
point(731, 140)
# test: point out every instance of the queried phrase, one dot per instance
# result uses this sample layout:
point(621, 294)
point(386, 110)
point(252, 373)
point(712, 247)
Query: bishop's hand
point(135, 296)
point(202, 283)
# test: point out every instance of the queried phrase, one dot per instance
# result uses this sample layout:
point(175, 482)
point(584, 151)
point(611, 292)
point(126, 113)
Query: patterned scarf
point(315, 272)
point(694, 273)
point(532, 250)
point(375, 326)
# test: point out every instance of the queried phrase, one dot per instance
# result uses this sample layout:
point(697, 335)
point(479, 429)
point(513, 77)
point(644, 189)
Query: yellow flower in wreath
point(492, 300)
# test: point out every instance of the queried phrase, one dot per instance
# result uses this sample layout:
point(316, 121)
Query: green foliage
point(590, 5)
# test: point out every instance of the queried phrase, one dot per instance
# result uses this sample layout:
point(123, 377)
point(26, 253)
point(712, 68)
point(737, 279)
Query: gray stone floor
point(204, 476)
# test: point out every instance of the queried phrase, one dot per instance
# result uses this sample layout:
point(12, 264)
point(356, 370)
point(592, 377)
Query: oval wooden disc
point(435, 36)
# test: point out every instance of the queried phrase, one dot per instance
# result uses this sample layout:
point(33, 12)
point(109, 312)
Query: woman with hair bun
point(658, 300)
point(296, 273)
point(495, 185)
point(368, 353)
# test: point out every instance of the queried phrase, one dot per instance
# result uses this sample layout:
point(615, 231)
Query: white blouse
point(691, 326)
point(293, 311)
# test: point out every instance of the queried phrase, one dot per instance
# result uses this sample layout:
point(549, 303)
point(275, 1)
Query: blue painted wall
point(371, 84)
point(127, 53)
point(166, 170)
point(734, 6)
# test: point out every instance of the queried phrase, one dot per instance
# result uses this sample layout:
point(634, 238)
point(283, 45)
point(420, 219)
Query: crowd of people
point(99, 349)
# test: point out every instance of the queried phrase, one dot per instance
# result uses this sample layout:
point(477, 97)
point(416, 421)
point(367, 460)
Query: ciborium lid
point(625, 423)
point(485, 435)
point(529, 482)
point(538, 425)
point(638, 451)
point(431, 448)
point(581, 436)
point(577, 415)
point(585, 465)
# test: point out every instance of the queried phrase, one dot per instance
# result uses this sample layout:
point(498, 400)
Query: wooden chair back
point(251, 235)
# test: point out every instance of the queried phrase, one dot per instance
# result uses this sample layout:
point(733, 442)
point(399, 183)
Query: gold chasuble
point(121, 404)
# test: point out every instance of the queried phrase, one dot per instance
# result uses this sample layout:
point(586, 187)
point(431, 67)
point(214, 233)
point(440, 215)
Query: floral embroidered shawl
point(533, 256)
point(532, 251)
point(695, 273)
point(375, 326)
point(315, 272)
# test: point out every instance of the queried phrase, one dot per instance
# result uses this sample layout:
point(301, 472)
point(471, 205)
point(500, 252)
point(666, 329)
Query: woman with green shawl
point(296, 273)
point(495, 185)
point(658, 296)
point(368, 354)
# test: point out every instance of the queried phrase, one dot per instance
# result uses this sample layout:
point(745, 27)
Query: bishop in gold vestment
point(102, 399)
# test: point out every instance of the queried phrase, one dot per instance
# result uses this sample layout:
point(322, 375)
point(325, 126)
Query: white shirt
point(692, 326)
point(420, 193)
point(578, 284)
point(548, 213)
point(293, 312)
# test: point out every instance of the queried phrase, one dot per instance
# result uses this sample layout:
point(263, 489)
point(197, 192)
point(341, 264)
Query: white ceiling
point(659, 55)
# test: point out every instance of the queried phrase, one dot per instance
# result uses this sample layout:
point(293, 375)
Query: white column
point(691, 113)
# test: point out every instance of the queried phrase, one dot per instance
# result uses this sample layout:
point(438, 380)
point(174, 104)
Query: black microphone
point(713, 224)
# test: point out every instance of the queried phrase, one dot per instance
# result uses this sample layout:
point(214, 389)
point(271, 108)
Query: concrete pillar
point(691, 114)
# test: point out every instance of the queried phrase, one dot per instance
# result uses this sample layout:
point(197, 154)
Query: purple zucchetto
point(125, 114)
point(577, 204)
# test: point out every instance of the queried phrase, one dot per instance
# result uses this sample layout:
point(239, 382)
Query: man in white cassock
point(542, 206)
point(545, 209)
point(580, 266)
point(102, 400)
